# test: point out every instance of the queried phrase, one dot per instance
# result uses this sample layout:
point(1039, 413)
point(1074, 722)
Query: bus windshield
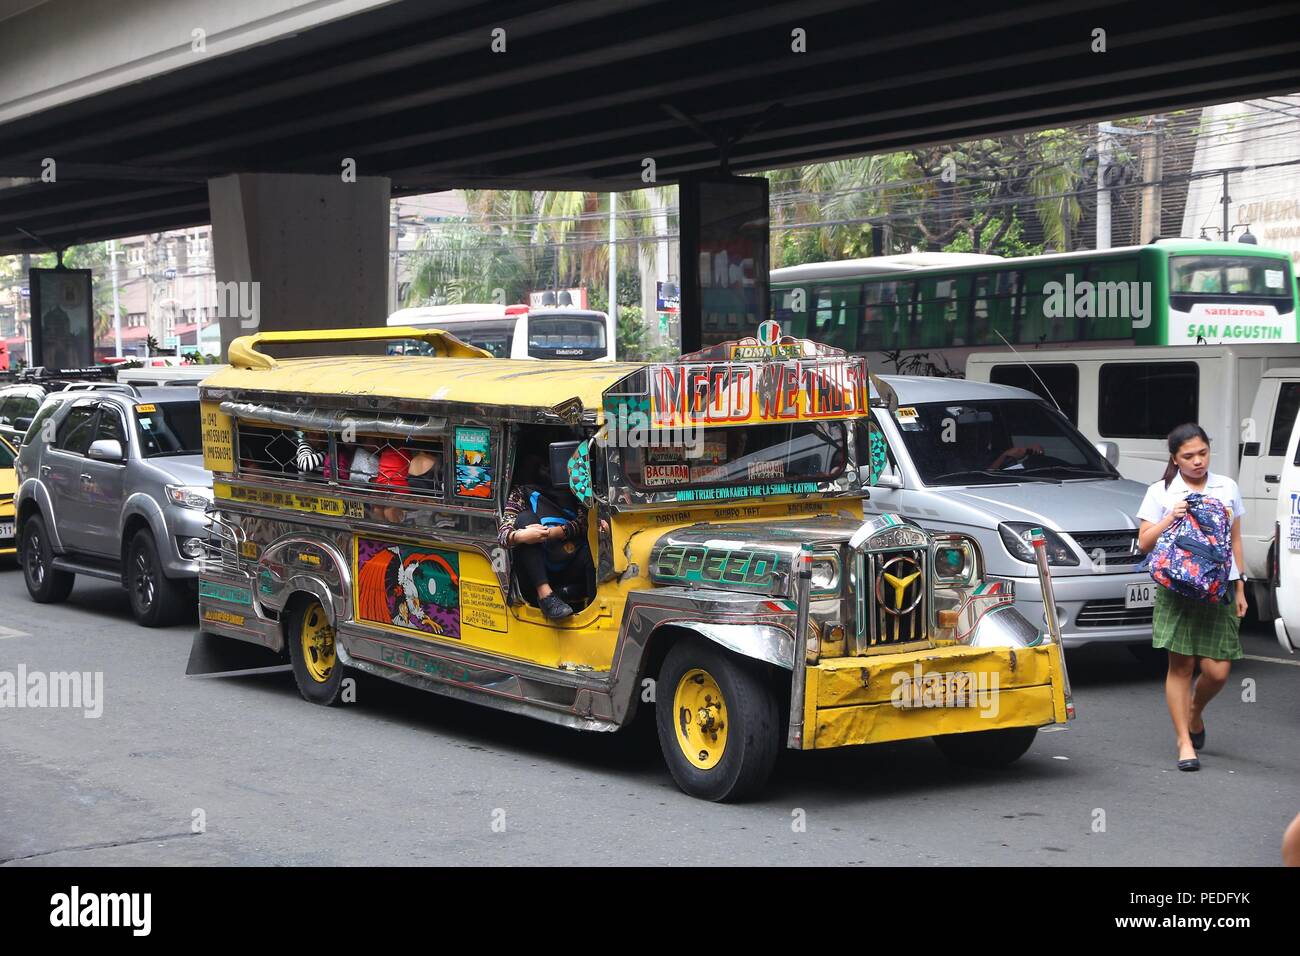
point(566, 336)
point(1252, 277)
point(997, 441)
point(761, 460)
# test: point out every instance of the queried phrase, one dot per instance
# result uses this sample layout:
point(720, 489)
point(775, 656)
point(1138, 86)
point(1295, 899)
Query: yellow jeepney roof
point(474, 381)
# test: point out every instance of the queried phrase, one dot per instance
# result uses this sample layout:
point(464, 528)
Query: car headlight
point(1016, 537)
point(955, 560)
point(190, 496)
point(825, 575)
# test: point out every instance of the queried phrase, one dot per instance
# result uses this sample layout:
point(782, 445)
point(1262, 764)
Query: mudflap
point(213, 656)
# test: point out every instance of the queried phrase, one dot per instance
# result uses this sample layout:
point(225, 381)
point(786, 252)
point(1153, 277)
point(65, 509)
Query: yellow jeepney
point(734, 585)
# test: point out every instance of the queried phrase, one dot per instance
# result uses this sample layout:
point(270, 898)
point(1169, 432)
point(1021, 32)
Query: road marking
point(10, 632)
point(1272, 660)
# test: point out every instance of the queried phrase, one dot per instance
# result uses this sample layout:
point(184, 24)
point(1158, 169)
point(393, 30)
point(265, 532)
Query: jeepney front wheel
point(987, 748)
point(316, 667)
point(718, 722)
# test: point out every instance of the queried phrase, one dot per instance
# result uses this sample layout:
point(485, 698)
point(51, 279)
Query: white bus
point(513, 331)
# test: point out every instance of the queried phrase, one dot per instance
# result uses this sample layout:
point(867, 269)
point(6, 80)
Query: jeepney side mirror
point(1109, 450)
point(561, 452)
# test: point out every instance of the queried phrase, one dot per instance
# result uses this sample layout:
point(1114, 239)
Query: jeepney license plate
point(6, 529)
point(955, 689)
point(1141, 595)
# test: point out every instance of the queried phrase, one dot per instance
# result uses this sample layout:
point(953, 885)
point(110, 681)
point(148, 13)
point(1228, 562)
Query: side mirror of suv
point(106, 449)
point(1109, 450)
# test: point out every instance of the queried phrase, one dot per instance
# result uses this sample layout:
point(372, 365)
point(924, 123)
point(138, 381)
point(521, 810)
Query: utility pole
point(1227, 231)
point(117, 315)
point(1152, 174)
point(1103, 192)
point(613, 268)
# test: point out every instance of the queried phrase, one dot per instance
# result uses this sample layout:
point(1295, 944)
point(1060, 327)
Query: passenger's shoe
point(1191, 763)
point(554, 608)
point(1198, 737)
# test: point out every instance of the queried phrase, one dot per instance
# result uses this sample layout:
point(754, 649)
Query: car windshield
point(762, 460)
point(170, 428)
point(996, 441)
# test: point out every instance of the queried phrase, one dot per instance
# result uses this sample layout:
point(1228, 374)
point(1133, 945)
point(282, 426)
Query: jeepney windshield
point(756, 460)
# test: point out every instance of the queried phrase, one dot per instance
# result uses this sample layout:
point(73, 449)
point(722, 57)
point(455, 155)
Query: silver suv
point(111, 484)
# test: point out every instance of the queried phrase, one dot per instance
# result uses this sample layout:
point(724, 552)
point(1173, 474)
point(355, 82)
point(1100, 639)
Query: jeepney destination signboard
point(735, 393)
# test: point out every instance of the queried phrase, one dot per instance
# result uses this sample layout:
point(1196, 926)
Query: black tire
point(44, 584)
point(156, 600)
point(988, 749)
point(1153, 661)
point(307, 664)
point(748, 713)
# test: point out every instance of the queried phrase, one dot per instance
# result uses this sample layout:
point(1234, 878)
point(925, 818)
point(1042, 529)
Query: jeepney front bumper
point(950, 689)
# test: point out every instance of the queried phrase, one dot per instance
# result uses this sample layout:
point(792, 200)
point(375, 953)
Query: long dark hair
point(1177, 438)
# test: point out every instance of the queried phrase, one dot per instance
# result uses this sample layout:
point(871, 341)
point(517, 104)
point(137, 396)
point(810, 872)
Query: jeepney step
point(213, 656)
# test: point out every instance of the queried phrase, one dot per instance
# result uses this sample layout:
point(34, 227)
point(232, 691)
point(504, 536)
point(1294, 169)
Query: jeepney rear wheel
point(718, 722)
point(316, 667)
point(987, 748)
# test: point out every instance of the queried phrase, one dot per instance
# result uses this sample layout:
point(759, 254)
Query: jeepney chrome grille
point(222, 545)
point(894, 610)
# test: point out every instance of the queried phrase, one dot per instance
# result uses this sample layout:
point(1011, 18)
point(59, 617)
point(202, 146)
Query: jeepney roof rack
point(244, 352)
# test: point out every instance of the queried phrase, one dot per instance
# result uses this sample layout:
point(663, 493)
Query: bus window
point(1057, 383)
point(1117, 326)
point(993, 311)
point(836, 314)
point(1257, 279)
point(939, 308)
point(1037, 325)
point(871, 327)
point(792, 321)
point(571, 335)
point(896, 309)
point(1146, 399)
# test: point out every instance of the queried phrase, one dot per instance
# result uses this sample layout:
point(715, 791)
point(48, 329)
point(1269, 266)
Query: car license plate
point(957, 689)
point(6, 529)
point(1141, 595)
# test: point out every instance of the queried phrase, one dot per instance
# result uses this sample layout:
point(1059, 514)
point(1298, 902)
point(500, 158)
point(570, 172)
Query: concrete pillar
point(302, 252)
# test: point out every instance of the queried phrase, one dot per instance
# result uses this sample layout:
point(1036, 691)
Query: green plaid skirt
point(1194, 628)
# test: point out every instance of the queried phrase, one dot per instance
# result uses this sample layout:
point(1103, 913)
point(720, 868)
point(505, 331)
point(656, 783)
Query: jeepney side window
point(399, 466)
point(266, 449)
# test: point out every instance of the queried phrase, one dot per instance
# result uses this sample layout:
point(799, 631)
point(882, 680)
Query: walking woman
point(1193, 631)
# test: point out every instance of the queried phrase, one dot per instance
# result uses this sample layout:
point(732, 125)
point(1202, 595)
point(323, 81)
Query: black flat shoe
point(1198, 738)
point(1193, 764)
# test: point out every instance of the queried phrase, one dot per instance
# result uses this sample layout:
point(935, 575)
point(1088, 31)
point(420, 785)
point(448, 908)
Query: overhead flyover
point(138, 121)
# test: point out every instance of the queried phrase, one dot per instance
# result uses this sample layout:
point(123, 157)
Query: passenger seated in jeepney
point(546, 529)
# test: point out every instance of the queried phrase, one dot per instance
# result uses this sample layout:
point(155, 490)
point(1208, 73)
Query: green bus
point(1170, 292)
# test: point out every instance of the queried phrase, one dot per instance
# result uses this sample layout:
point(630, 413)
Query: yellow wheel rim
point(317, 639)
point(700, 719)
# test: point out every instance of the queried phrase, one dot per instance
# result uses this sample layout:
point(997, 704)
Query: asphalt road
point(403, 777)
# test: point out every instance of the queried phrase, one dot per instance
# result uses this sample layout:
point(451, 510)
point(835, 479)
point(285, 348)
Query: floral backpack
point(1193, 557)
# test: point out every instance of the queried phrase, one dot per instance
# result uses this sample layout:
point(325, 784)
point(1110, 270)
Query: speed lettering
point(751, 569)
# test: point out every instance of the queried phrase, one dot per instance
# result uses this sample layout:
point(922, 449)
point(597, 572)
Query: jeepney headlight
point(956, 561)
point(190, 496)
point(825, 575)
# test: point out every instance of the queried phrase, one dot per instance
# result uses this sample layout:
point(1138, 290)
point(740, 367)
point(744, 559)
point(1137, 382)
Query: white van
point(1286, 567)
point(1244, 396)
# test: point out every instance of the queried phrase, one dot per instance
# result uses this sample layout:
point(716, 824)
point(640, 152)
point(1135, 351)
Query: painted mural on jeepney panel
point(414, 587)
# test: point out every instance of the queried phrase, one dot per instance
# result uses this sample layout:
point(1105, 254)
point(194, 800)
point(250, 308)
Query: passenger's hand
point(533, 534)
point(1178, 511)
point(1242, 604)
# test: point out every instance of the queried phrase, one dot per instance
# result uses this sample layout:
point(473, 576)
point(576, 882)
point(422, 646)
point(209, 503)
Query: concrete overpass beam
point(302, 252)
